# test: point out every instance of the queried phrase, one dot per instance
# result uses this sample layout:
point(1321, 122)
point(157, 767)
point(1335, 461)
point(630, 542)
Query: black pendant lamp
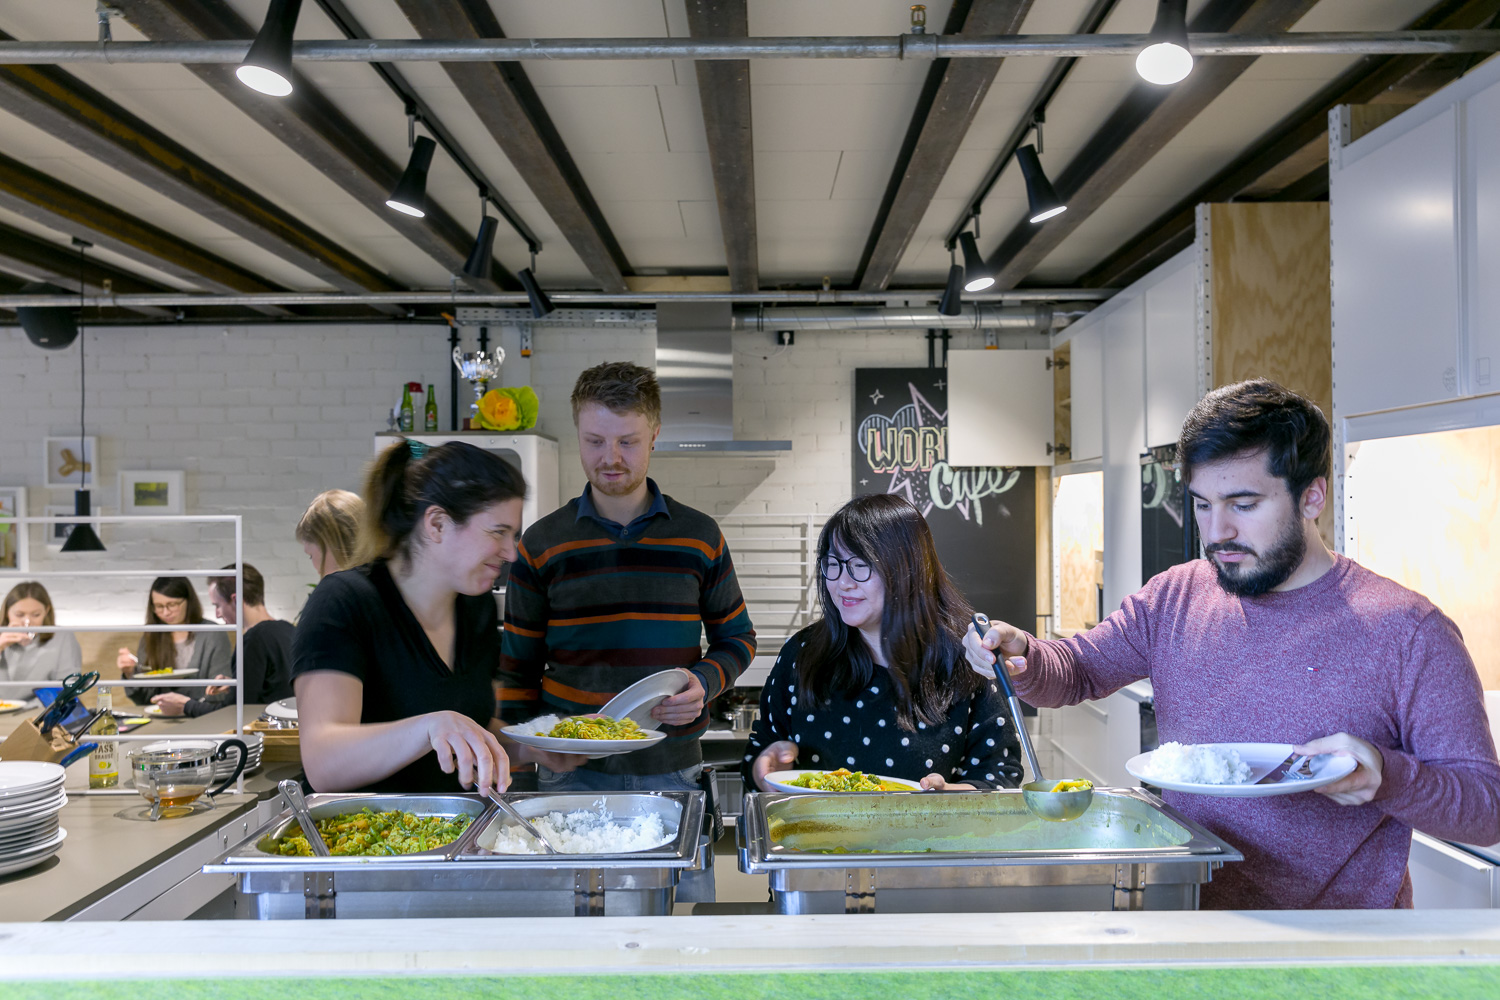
point(952, 302)
point(51, 327)
point(268, 66)
point(482, 257)
point(1166, 60)
point(540, 304)
point(410, 196)
point(977, 275)
point(1043, 199)
point(82, 538)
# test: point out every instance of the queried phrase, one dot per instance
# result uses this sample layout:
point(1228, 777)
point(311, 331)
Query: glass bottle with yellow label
point(103, 770)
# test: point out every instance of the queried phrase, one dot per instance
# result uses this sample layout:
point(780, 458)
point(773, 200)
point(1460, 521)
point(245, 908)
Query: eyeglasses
point(163, 608)
point(833, 567)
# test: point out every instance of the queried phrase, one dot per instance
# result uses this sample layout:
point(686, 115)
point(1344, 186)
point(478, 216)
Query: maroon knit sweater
point(1351, 652)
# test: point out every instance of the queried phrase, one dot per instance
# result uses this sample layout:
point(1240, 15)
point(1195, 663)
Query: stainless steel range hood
point(695, 367)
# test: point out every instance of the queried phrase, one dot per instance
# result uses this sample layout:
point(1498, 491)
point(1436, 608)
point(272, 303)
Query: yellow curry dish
point(1073, 786)
point(600, 727)
point(371, 834)
point(845, 780)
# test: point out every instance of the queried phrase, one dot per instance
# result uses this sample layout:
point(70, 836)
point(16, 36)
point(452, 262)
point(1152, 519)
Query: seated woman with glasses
point(173, 601)
point(880, 684)
point(34, 656)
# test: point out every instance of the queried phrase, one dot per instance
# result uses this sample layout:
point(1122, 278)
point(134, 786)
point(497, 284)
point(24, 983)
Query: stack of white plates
point(31, 793)
point(253, 746)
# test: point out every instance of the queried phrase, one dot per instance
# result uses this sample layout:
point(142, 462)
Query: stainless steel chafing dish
point(464, 879)
point(974, 851)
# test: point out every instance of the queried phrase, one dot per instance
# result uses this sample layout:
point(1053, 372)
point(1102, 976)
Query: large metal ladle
point(1038, 794)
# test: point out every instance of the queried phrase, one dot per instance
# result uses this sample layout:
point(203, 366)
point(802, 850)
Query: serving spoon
point(525, 823)
point(1038, 794)
point(292, 792)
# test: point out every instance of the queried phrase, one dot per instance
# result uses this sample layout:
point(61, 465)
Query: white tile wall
point(262, 418)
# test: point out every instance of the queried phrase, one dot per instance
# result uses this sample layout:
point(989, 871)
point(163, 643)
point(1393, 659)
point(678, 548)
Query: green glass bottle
point(408, 418)
point(430, 423)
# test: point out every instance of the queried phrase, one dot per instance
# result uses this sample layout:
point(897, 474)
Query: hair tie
point(418, 448)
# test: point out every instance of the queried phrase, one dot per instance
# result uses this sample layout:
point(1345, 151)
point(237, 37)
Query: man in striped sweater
point(616, 585)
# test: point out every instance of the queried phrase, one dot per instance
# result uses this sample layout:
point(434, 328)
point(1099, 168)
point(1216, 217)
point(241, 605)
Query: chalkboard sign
point(983, 520)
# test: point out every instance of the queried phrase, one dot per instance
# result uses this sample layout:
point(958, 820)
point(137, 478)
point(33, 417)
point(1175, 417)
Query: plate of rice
point(1231, 769)
point(592, 736)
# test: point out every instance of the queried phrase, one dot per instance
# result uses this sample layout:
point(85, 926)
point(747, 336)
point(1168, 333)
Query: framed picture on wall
point(151, 492)
point(13, 537)
point(66, 467)
point(58, 533)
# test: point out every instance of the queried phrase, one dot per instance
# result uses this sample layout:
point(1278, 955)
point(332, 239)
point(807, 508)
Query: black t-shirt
point(356, 622)
point(268, 669)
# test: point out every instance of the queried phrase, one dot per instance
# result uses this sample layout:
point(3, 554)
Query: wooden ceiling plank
point(1289, 157)
point(950, 99)
point(47, 202)
point(724, 90)
point(502, 96)
point(1144, 122)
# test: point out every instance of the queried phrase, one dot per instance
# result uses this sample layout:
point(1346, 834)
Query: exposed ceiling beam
point(724, 89)
point(945, 110)
point(36, 259)
point(1145, 121)
point(313, 128)
point(1288, 160)
point(65, 108)
point(47, 202)
point(502, 96)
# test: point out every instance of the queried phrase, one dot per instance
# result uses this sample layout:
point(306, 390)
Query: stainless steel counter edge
point(519, 946)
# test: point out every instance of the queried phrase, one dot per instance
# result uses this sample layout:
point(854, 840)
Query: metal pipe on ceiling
point(923, 47)
point(186, 300)
point(972, 316)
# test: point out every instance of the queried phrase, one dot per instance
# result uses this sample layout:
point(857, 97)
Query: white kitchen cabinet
point(535, 455)
point(1444, 877)
point(1482, 238)
point(1087, 374)
point(1171, 354)
point(1124, 440)
point(1094, 739)
point(999, 408)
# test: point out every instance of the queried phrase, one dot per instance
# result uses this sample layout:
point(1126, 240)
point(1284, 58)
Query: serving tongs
point(292, 792)
point(525, 824)
point(1038, 794)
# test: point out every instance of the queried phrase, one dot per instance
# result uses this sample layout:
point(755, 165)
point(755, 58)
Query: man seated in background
point(268, 650)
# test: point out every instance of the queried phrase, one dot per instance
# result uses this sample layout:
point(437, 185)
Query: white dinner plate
point(143, 675)
point(526, 734)
point(6, 707)
point(31, 813)
point(36, 857)
point(285, 709)
point(17, 777)
point(637, 701)
point(778, 780)
point(1261, 757)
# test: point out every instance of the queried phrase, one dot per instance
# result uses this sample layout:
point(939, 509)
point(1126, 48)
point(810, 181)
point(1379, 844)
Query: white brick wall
point(262, 418)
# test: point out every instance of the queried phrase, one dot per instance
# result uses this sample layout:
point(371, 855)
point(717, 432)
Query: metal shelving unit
point(775, 561)
point(238, 628)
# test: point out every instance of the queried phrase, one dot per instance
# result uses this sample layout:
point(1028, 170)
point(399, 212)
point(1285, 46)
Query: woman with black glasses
point(880, 684)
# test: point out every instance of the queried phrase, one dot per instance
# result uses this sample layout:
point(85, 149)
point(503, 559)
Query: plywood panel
point(1078, 512)
point(1062, 402)
point(1447, 553)
point(1270, 308)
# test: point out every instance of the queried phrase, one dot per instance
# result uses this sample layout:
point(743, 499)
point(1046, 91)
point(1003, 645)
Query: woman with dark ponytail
point(393, 659)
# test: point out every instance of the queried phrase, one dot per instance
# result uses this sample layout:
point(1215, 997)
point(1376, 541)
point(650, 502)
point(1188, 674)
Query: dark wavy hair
point(456, 477)
point(1259, 416)
point(160, 652)
point(921, 627)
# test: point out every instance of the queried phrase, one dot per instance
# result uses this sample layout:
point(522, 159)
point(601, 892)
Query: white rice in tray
point(1199, 765)
point(583, 831)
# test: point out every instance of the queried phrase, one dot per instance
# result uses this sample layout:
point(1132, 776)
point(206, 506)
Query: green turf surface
point(1478, 982)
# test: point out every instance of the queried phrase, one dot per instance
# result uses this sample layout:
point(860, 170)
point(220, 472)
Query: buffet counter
point(117, 864)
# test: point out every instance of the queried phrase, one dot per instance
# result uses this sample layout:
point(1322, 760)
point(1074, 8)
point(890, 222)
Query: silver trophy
point(478, 367)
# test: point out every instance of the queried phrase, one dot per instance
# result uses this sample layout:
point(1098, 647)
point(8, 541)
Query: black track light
point(268, 66)
point(482, 257)
point(83, 537)
point(1044, 200)
point(977, 276)
point(540, 304)
point(952, 302)
point(410, 195)
point(1165, 59)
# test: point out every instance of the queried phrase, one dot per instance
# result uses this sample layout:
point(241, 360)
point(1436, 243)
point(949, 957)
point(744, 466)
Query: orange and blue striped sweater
point(588, 614)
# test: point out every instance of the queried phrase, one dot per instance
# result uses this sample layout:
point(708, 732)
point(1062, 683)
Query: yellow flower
point(499, 412)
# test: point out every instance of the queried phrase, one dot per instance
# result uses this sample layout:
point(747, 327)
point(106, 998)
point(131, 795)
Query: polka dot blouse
point(976, 743)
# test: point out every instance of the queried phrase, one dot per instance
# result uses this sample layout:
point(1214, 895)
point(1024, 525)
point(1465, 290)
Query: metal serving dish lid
point(255, 851)
point(681, 815)
point(967, 828)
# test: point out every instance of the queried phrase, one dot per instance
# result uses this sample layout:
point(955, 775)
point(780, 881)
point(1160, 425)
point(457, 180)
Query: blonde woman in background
point(34, 656)
point(329, 530)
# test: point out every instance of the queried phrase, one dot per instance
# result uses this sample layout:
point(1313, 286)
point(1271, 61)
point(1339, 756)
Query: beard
point(1272, 567)
point(620, 487)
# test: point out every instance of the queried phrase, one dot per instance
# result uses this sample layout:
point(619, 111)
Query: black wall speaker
point(52, 327)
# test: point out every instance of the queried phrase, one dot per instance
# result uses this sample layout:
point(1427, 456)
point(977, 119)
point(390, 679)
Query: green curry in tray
point(373, 834)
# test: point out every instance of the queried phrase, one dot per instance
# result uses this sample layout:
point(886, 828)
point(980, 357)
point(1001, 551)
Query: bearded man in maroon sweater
point(1273, 638)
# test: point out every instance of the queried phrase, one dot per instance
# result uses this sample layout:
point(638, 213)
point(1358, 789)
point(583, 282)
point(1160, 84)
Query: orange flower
point(498, 412)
